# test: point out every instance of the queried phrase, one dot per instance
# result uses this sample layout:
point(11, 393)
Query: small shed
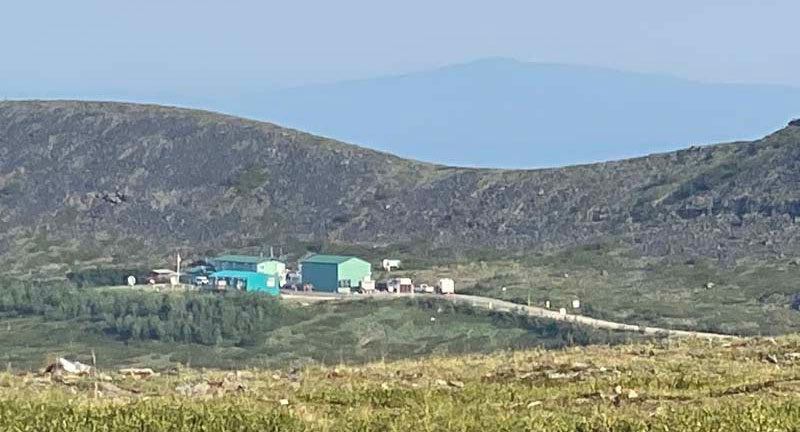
point(330, 272)
point(161, 276)
point(245, 281)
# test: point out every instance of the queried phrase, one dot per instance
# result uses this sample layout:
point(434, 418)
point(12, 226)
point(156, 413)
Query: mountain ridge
point(88, 181)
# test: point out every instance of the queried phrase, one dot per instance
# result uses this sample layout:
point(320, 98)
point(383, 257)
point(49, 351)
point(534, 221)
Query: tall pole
point(94, 373)
point(529, 296)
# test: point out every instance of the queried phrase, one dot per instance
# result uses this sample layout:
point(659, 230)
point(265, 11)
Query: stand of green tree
point(105, 276)
point(179, 317)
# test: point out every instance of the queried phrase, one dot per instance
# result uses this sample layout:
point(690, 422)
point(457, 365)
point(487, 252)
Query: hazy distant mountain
point(505, 113)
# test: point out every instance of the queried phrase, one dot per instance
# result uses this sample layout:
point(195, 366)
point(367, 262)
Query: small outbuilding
point(391, 264)
point(245, 281)
point(161, 276)
point(330, 272)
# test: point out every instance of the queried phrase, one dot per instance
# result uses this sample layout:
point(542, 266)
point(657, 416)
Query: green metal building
point(245, 281)
point(248, 263)
point(330, 272)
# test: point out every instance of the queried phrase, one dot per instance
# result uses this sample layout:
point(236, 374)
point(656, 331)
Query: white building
point(400, 285)
point(391, 264)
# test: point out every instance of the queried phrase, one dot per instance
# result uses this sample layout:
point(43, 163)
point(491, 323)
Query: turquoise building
point(330, 272)
point(245, 281)
point(249, 263)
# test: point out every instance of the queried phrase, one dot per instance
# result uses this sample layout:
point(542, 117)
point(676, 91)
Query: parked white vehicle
point(367, 285)
point(428, 289)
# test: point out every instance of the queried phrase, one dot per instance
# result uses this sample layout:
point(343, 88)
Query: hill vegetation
point(754, 297)
point(704, 238)
point(135, 328)
point(84, 183)
point(95, 191)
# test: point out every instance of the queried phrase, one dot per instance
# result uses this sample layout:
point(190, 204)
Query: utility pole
point(529, 296)
point(177, 270)
point(94, 373)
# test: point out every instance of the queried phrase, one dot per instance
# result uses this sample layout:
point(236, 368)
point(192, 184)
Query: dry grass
point(675, 385)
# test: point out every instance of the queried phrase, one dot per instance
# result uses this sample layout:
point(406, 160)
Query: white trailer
point(446, 286)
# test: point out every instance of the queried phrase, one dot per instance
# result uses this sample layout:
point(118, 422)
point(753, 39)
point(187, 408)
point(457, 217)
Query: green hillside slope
point(135, 328)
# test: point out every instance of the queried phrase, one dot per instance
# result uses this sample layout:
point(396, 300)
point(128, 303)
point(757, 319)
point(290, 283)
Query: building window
point(344, 283)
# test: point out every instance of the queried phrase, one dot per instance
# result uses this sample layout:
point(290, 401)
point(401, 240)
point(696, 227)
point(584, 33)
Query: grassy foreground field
point(689, 385)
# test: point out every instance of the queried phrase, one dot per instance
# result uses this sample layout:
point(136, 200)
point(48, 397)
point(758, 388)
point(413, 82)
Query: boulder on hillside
point(70, 367)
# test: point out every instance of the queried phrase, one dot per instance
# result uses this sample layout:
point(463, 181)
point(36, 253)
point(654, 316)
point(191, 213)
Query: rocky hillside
point(88, 182)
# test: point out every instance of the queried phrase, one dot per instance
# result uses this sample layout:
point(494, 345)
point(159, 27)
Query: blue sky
point(83, 48)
